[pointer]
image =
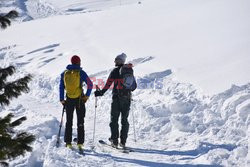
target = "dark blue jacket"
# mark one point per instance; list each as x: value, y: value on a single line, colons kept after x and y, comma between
x: 83, y: 77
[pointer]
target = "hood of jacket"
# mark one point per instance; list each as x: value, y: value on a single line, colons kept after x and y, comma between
x: 73, y: 67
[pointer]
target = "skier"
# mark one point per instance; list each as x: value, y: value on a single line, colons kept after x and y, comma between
x: 72, y: 81
x: 121, y: 100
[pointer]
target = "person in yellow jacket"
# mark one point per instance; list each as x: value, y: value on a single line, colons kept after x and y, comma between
x: 72, y: 81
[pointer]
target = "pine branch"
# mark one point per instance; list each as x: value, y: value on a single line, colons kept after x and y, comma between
x: 13, y: 144
x: 14, y: 89
x: 5, y: 122
x: 4, y: 100
x: 12, y: 14
x: 6, y: 119
x: 5, y: 20
x: 4, y: 73
x: 20, y: 145
x: 17, y: 122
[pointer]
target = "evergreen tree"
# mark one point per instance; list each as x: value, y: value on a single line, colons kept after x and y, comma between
x: 12, y: 143
x: 8, y: 90
x: 5, y: 19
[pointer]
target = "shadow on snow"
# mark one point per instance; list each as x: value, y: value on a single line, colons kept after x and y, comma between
x: 147, y: 163
x: 49, y: 48
x: 202, y: 149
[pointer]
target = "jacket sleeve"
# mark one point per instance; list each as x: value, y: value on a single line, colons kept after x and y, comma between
x: 61, y: 87
x: 86, y: 79
x: 109, y: 82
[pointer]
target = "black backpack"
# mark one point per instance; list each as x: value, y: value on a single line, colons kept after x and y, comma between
x: 127, y: 75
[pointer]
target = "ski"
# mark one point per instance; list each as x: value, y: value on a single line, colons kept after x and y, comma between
x: 80, y: 151
x: 123, y: 150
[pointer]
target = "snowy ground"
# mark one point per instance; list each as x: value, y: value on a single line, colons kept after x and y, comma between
x: 189, y: 56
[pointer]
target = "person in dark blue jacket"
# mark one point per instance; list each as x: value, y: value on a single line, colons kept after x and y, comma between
x: 72, y: 81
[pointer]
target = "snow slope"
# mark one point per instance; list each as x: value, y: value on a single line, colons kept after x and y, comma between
x: 199, y: 46
x: 35, y: 9
x: 189, y: 56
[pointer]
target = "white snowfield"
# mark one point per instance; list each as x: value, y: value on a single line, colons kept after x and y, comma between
x: 192, y: 105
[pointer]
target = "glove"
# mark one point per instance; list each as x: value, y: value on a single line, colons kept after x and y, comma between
x: 85, y: 98
x: 98, y: 93
x: 63, y: 102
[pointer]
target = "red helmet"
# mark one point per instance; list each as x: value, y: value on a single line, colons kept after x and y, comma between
x: 75, y: 59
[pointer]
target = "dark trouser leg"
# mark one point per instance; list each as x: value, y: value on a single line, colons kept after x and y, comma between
x: 125, y: 107
x: 80, y: 122
x: 69, y: 121
x: 115, y: 112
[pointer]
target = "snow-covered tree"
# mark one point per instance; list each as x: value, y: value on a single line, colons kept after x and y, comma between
x: 12, y: 143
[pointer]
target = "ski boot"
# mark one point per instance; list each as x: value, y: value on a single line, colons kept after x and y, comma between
x: 113, y: 143
x: 69, y: 145
x: 122, y: 145
x: 80, y: 147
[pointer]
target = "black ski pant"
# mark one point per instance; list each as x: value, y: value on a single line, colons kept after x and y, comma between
x: 71, y: 105
x: 120, y: 106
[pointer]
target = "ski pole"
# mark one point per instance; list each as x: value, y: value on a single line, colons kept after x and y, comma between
x: 60, y: 127
x: 133, y: 123
x: 95, y: 119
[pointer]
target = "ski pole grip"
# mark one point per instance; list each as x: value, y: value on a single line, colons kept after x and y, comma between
x: 97, y: 88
